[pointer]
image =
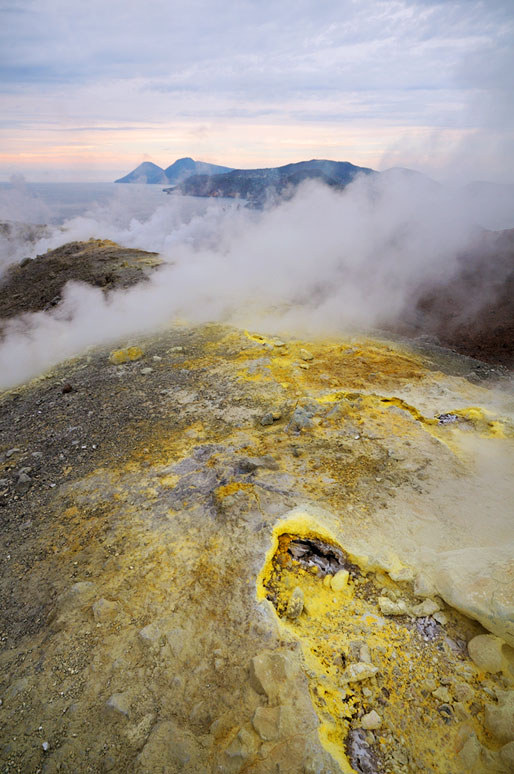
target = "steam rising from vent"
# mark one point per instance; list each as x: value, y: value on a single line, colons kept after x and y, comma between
x: 322, y: 262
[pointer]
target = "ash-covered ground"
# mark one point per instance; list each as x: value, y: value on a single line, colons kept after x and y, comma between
x: 226, y: 552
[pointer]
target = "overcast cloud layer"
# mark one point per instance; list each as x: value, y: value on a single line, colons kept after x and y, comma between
x: 94, y: 88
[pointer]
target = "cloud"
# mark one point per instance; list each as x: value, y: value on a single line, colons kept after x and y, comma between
x: 18, y: 204
x: 382, y: 63
x: 309, y: 45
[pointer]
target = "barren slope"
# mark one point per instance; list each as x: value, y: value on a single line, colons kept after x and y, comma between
x: 177, y: 519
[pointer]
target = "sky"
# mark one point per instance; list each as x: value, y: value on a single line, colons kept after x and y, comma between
x: 88, y: 90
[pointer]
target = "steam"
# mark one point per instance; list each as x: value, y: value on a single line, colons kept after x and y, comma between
x: 320, y: 263
x: 18, y: 204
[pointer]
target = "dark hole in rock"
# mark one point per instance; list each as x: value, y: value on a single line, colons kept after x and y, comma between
x: 447, y: 419
x: 330, y: 559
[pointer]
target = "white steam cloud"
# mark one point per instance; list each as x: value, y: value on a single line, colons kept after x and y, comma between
x: 321, y: 262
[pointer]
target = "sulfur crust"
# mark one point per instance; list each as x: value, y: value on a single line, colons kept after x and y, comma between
x: 382, y: 635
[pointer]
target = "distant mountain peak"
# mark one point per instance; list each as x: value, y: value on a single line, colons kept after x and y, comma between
x: 186, y: 167
x: 176, y: 173
x: 146, y: 172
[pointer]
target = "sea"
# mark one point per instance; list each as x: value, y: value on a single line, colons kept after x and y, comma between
x: 55, y: 203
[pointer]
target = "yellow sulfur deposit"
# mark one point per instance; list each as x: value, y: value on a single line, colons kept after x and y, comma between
x: 119, y: 356
x: 257, y: 555
x: 370, y: 671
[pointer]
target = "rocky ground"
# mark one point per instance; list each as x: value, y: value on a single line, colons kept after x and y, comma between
x: 35, y: 285
x: 218, y: 555
x: 223, y: 552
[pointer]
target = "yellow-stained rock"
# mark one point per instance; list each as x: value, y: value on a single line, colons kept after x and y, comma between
x: 442, y: 694
x: 266, y: 721
x: 499, y: 718
x: 462, y: 692
x: 487, y: 652
x: 470, y: 752
x: 271, y: 672
x: 359, y: 671
x: 295, y: 604
x: 371, y: 721
x: 171, y: 748
x: 340, y: 580
x: 388, y: 607
x: 507, y: 756
x: 134, y: 353
x: 105, y: 610
x: 427, y: 607
x: 119, y: 356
